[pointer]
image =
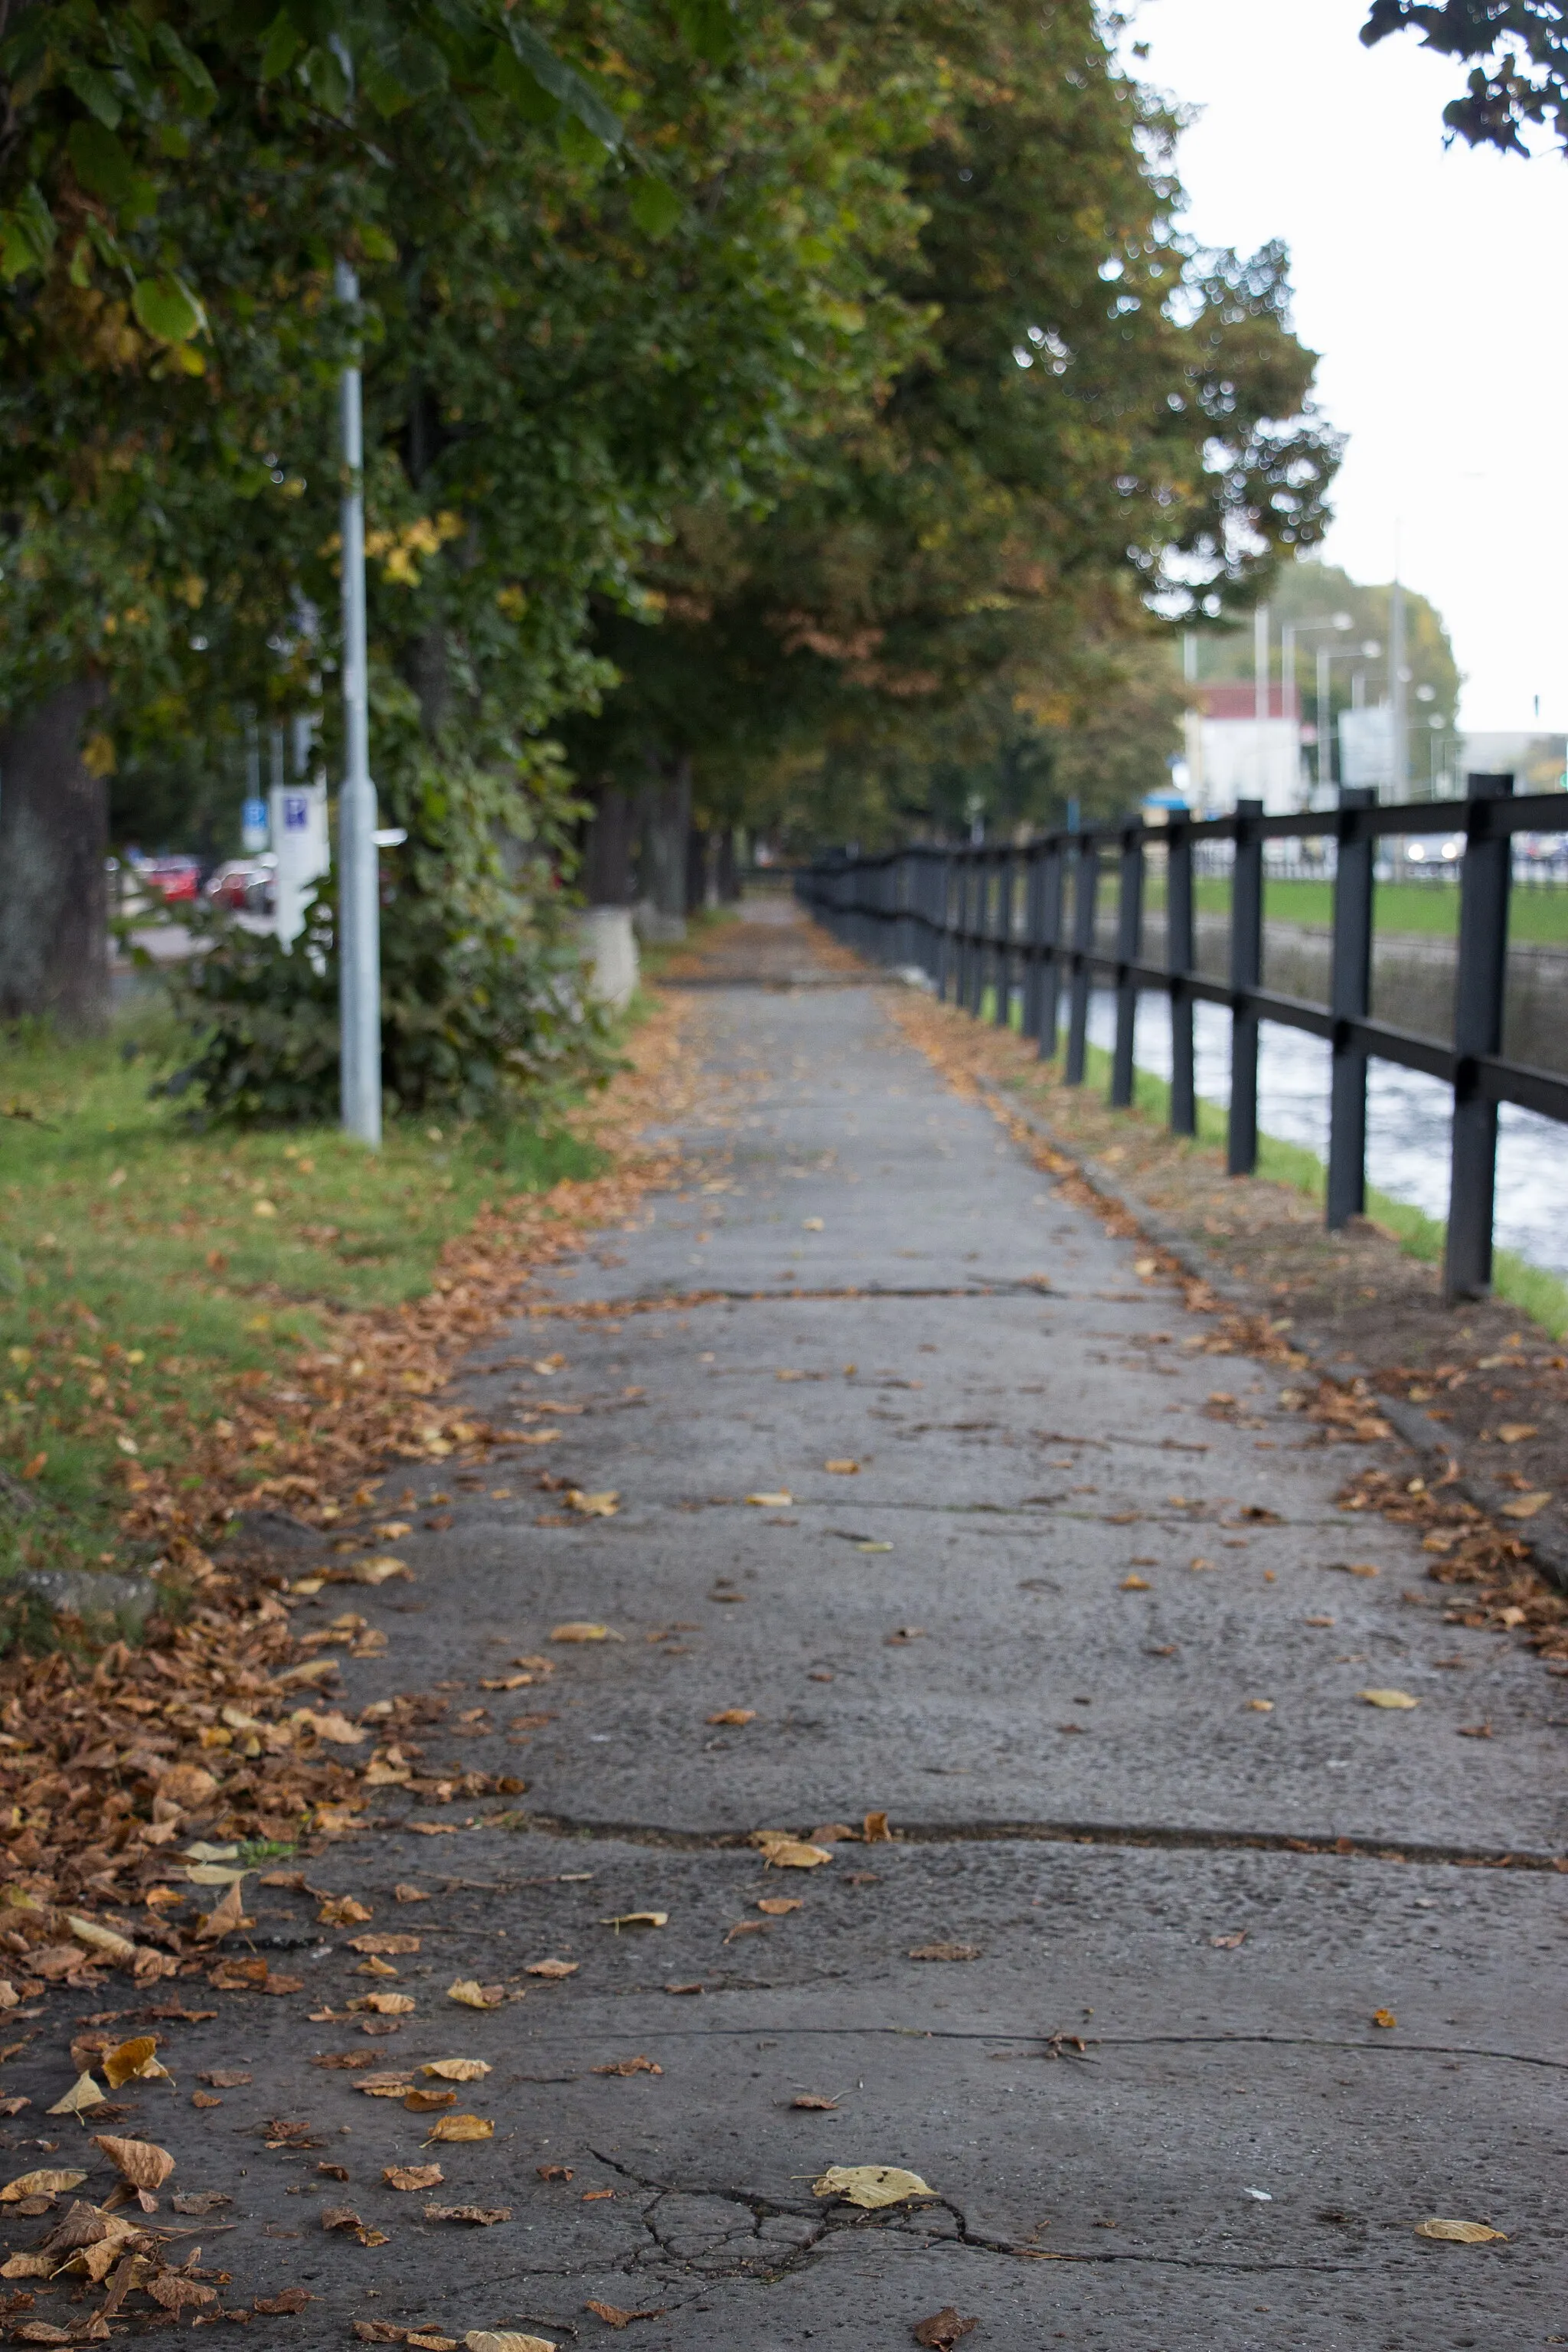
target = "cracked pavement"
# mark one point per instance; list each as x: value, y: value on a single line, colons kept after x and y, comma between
x: 1213, y: 1896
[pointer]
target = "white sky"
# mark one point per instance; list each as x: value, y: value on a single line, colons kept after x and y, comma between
x: 1433, y: 283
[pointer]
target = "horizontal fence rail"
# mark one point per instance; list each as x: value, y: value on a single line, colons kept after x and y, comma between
x: 994, y: 920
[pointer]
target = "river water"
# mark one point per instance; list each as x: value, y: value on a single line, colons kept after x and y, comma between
x: 1409, y: 1121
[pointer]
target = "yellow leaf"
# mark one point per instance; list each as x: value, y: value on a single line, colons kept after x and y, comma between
x: 101, y: 1940
x: 263, y: 1209
x: 40, y: 2184
x: 342, y: 1911
x: 213, y: 1874
x: 457, y: 2070
x: 794, y: 1853
x: 779, y: 1502
x: 870, y: 2185
x: 400, y: 1944
x: 578, y: 1629
x: 1383, y: 2017
x: 638, y: 1919
x: 473, y: 1995
x: 135, y: 2062
x: 1393, y: 1698
x: 595, y: 1506
x: 842, y: 1466
x: 1135, y: 1584
x: 83, y: 2094
x: 1514, y: 1432
x: 1261, y: 1706
x: 333, y: 1726
x: 734, y: 1715
x: 1526, y: 1506
x: 28, y: 2266
x: 380, y: 1571
x: 775, y: 1905
x: 386, y: 2004
x: 461, y: 2127
x: 1459, y: 2233
x: 505, y: 2340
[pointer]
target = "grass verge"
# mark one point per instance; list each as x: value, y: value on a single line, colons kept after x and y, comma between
x: 146, y: 1269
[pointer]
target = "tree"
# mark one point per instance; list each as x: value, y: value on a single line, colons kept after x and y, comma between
x: 1521, y: 73
x: 1100, y: 419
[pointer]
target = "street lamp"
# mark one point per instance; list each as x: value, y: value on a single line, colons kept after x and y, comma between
x: 1340, y: 623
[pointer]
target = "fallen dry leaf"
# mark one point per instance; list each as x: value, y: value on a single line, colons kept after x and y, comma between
x: 80, y: 2099
x: 1129, y: 1584
x: 581, y: 1629
x: 816, y: 2102
x: 291, y: 2299
x: 101, y: 1940
x: 945, y: 1952
x: 378, y: 1944
x: 613, y: 2316
x: 553, y: 1969
x: 941, y: 2331
x: 594, y: 1507
x: 200, y: 2201
x: 1459, y: 2233
x: 874, y: 1830
x: 135, y: 2062
x: 40, y: 2184
x: 1397, y: 1699
x: 1232, y: 1943
x: 386, y: 2004
x: 794, y: 1853
x: 870, y: 2185
x: 340, y: 2217
x: 1514, y: 1432
x: 505, y: 2340
x: 734, y: 1715
x: 779, y: 1502
x: 139, y: 2161
x: 426, y: 2103
x: 1383, y: 2017
x: 1260, y: 1706
x: 1526, y: 1506
x: 225, y: 1917
x: 404, y: 1893
x: 637, y: 2065
x: 457, y: 2069
x: 1354, y: 1567
x: 470, y: 1994
x: 484, y: 2217
x: 455, y: 2128
x: 775, y: 1905
x: 412, y: 2176
x: 638, y: 1919
x: 342, y: 1911
x: 554, y: 2171
x: 843, y: 1467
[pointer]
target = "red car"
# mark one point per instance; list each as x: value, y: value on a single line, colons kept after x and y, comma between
x: 173, y: 878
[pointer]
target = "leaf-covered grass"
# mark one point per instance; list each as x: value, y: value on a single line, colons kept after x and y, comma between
x: 145, y: 1264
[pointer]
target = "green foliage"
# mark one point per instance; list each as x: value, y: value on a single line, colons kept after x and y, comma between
x: 482, y: 1003
x: 1520, y: 76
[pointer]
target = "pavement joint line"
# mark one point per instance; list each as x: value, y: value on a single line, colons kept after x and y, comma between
x: 1384, y: 2048
x: 1174, y: 1839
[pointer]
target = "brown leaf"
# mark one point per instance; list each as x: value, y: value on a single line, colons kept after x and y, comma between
x: 342, y: 1911
x: 350, y: 2059
x: 470, y: 1994
x: 340, y: 2217
x: 200, y: 2201
x: 776, y: 1905
x: 613, y: 2316
x: 460, y: 2128
x: 404, y: 1893
x: 484, y: 2216
x: 224, y: 1916
x: 734, y: 1715
x: 293, y: 2298
x: 813, y: 2100
x: 637, y: 2065
x: 457, y: 2069
x: 875, y: 1830
x: 426, y: 2103
x: 133, y: 2061
x: 412, y: 2176
x: 138, y: 2161
x: 554, y: 2171
x: 228, y: 2078
x: 1459, y: 2233
x: 1384, y: 2016
x: 378, y: 1945
x: 553, y: 1969
x: 794, y: 1853
x: 945, y: 1952
x: 941, y: 2331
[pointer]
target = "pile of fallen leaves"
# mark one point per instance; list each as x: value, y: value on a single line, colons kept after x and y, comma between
x: 213, y: 1728
x: 1501, y: 1588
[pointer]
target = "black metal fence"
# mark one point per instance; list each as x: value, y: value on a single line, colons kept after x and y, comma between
x: 982, y: 919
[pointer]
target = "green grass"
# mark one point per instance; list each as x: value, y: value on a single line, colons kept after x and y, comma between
x: 144, y: 1264
x: 1538, y: 917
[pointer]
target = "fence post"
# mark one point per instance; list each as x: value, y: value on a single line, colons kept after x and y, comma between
x: 1477, y: 1029
x: 1246, y: 972
x: 1129, y: 941
x: 981, y: 918
x: 1350, y: 999
x: 1050, y: 942
x: 1029, y: 947
x: 1085, y: 895
x: 1179, y: 961
x: 1006, y: 883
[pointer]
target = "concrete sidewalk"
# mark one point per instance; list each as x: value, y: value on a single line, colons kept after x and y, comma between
x: 1087, y: 1638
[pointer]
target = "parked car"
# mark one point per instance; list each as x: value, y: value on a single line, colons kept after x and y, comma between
x: 244, y: 884
x: 173, y: 878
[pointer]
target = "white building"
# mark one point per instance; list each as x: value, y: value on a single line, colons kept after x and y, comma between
x: 1232, y: 754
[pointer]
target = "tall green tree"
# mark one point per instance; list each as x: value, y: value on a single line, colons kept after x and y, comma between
x: 1518, y: 54
x: 1101, y: 420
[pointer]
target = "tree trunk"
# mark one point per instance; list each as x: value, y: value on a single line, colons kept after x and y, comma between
x: 726, y: 880
x: 54, y: 839
x: 605, y: 879
x: 665, y: 808
x: 698, y: 847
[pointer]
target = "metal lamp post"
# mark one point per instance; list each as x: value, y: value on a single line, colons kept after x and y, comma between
x: 359, y: 894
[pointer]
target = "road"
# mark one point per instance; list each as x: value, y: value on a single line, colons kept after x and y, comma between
x: 1086, y: 1638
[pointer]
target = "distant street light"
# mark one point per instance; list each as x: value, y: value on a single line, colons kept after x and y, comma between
x: 1337, y: 625
x: 1327, y: 654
